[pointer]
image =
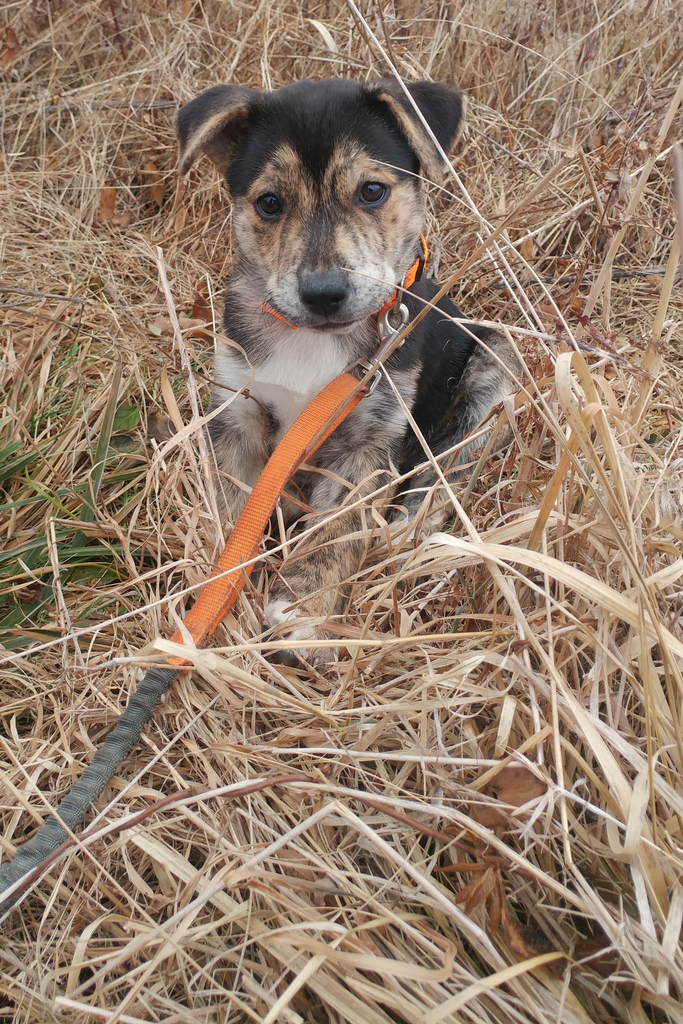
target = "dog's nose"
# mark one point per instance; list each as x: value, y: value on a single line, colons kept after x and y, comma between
x: 324, y: 294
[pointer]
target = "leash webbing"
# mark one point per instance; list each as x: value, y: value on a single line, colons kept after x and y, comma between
x: 413, y: 274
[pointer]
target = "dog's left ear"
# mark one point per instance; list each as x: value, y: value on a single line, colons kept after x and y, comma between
x: 442, y: 107
x: 212, y: 123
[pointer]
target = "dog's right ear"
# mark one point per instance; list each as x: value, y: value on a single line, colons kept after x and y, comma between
x: 212, y: 123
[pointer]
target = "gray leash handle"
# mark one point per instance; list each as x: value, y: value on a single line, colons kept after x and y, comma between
x: 104, y: 765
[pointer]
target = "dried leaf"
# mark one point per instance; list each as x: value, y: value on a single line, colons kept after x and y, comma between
x: 516, y: 941
x: 107, y: 203
x: 201, y: 307
x: 478, y: 890
x: 324, y: 31
x: 601, y: 955
x: 490, y: 817
x: 161, y: 327
x: 301, y: 737
x: 620, y: 178
x: 156, y: 184
x: 180, y: 220
x: 188, y: 323
x: 515, y: 785
x: 495, y: 902
x: 10, y: 47
x: 160, y: 427
x: 526, y: 249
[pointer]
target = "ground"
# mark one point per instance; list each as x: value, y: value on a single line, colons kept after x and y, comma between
x: 475, y: 814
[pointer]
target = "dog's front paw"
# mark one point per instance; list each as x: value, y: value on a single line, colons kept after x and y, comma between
x: 427, y: 513
x: 291, y: 623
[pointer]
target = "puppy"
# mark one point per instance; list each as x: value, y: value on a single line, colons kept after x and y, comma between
x: 325, y: 181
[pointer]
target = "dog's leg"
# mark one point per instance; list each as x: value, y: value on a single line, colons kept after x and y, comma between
x: 309, y: 588
x: 239, y: 458
x: 488, y: 377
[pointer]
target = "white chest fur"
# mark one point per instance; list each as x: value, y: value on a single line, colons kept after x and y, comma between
x: 296, y: 369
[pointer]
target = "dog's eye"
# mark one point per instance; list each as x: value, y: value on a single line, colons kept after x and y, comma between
x: 373, y: 193
x: 268, y: 205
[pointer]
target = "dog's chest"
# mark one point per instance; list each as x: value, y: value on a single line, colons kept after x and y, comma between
x: 286, y: 380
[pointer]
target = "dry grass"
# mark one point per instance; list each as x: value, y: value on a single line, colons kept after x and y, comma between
x: 349, y: 847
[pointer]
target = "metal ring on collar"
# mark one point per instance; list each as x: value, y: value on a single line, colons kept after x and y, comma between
x: 386, y: 329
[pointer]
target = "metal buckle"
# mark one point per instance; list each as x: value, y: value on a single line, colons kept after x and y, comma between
x: 387, y: 332
x: 365, y: 366
x: 385, y: 329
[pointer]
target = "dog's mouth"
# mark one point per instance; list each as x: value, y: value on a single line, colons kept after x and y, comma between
x: 338, y: 325
x: 325, y: 326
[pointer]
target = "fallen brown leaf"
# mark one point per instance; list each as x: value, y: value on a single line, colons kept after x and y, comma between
x: 107, y: 203
x: 10, y: 47
x: 180, y: 220
x: 201, y: 307
x: 513, y: 933
x: 621, y: 178
x: 478, y: 889
x: 514, y: 785
x: 156, y: 184
x: 121, y: 220
x: 495, y: 902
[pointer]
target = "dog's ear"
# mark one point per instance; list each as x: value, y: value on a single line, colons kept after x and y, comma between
x: 212, y: 123
x: 442, y: 107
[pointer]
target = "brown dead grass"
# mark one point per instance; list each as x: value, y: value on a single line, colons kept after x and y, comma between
x: 477, y: 814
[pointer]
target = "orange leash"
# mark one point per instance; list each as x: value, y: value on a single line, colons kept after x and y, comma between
x: 306, y: 434
x: 226, y: 581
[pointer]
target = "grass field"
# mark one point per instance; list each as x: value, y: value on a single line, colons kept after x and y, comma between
x: 476, y: 814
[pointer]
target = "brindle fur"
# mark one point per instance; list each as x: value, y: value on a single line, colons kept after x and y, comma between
x: 314, y: 145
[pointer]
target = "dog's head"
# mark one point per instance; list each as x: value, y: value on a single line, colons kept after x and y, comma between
x: 325, y: 180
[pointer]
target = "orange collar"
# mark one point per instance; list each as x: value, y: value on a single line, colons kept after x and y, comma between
x: 413, y: 275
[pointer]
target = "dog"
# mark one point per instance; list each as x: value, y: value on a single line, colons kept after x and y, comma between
x: 325, y: 179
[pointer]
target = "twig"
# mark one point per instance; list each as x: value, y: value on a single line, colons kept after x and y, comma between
x: 117, y: 29
x: 40, y: 295
x: 89, y: 108
x: 591, y: 184
x: 677, y: 160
